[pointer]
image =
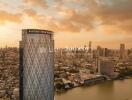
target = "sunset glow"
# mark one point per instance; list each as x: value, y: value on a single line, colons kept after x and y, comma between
x: 75, y: 22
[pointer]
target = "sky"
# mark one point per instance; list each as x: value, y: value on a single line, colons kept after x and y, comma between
x: 75, y: 22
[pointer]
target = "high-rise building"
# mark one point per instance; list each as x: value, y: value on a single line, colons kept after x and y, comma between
x: 36, y: 65
x: 106, y: 67
x: 105, y: 52
x: 98, y: 65
x: 122, y: 51
x: 90, y: 46
x: 99, y: 51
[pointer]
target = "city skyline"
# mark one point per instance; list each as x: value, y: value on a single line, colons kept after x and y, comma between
x: 75, y: 22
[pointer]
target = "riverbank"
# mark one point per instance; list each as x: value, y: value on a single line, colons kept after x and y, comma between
x: 94, y: 83
x: 108, y: 90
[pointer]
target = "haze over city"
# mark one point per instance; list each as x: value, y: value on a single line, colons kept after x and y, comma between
x: 65, y: 50
x: 75, y: 22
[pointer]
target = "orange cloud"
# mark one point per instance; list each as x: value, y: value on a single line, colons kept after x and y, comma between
x: 115, y: 14
x: 39, y: 3
x: 9, y: 17
x: 82, y: 16
x: 30, y: 12
x: 111, y: 13
x: 101, y: 20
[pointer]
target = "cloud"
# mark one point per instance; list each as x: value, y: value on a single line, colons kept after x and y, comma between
x: 72, y: 20
x: 83, y: 15
x: 38, y: 3
x: 30, y: 12
x: 111, y: 13
x: 115, y: 13
x: 91, y: 19
x: 9, y: 17
x: 79, y: 15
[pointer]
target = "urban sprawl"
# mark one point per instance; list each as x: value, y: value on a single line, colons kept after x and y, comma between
x: 73, y: 67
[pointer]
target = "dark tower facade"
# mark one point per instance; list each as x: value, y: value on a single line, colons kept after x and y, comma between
x: 90, y: 46
x: 122, y: 51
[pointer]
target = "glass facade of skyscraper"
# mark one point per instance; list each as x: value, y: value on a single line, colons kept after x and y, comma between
x: 36, y: 65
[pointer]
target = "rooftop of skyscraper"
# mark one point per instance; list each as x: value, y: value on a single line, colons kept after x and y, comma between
x: 37, y: 31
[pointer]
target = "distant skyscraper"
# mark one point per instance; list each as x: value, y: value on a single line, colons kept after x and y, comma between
x: 105, y: 52
x: 90, y: 46
x: 98, y: 65
x: 106, y: 67
x: 122, y: 51
x: 99, y: 51
x: 36, y: 65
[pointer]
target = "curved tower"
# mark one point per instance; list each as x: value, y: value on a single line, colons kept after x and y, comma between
x: 36, y: 65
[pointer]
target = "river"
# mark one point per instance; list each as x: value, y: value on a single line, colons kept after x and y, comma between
x: 109, y: 90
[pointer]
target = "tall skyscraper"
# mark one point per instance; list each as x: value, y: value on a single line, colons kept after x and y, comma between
x: 90, y: 46
x: 105, y: 52
x: 122, y: 51
x: 98, y: 65
x: 99, y: 51
x: 36, y: 65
